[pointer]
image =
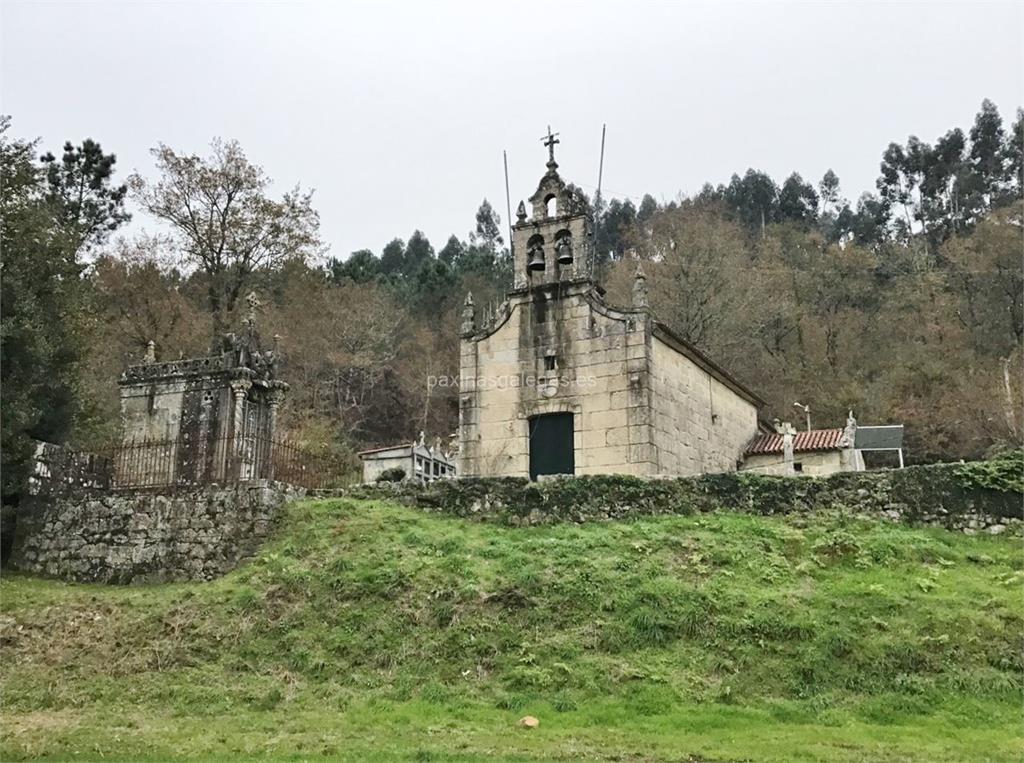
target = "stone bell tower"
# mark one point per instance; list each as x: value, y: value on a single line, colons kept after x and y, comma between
x: 553, y: 245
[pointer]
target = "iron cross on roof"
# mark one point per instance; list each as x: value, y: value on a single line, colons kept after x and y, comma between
x: 550, y: 140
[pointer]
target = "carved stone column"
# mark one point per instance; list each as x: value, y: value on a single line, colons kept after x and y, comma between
x: 275, y: 397
x: 236, y: 438
x: 274, y: 400
x: 201, y: 468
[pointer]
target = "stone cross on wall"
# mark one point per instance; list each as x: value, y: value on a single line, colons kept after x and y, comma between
x: 788, y: 433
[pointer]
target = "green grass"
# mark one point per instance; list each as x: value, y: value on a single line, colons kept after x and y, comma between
x: 373, y: 632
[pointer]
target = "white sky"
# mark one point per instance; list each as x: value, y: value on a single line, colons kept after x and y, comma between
x: 397, y: 113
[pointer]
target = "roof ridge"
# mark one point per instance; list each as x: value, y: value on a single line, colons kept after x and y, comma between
x: 806, y: 441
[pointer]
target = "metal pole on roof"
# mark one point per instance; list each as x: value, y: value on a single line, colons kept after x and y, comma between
x: 508, y: 202
x: 807, y: 410
x: 597, y: 201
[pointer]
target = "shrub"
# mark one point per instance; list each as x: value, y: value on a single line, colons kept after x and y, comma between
x: 394, y: 474
x: 1005, y: 472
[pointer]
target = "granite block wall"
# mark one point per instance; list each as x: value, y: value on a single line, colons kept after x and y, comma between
x: 145, y: 537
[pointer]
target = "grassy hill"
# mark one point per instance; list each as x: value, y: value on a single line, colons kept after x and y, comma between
x: 369, y: 631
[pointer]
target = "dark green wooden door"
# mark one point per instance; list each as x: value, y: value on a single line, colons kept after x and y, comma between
x: 551, y: 447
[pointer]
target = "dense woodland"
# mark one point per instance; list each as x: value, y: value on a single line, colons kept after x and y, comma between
x: 904, y: 305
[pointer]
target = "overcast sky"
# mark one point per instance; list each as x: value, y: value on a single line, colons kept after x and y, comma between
x: 397, y: 113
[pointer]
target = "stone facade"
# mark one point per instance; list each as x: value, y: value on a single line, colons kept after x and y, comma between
x: 702, y: 424
x: 145, y: 537
x: 815, y: 464
x: 643, y: 401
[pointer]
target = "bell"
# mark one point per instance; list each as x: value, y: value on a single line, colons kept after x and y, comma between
x: 564, y: 252
x: 536, y: 259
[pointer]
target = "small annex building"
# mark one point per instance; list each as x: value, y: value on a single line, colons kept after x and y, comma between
x: 557, y: 381
x: 815, y: 453
x: 417, y: 461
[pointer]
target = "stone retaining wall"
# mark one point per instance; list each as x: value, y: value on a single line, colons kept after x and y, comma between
x: 936, y: 495
x: 144, y: 537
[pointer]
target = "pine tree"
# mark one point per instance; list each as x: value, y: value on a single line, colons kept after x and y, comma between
x: 48, y: 217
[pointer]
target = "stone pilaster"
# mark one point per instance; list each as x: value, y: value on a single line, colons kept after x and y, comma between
x: 787, y: 447
x: 468, y: 316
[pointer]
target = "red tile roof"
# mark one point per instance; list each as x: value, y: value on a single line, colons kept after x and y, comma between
x: 816, y: 439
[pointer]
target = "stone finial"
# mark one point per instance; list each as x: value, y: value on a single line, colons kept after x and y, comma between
x: 640, y: 300
x: 150, y: 357
x: 468, y: 315
x: 422, y: 439
x: 268, y: 360
x: 850, y: 432
x: 521, y: 211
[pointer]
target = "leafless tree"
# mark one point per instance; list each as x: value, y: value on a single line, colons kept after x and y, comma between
x: 223, y: 220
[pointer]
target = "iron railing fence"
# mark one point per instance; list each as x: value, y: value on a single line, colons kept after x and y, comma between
x: 185, y: 463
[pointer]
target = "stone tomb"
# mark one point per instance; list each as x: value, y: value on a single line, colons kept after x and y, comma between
x: 201, y: 420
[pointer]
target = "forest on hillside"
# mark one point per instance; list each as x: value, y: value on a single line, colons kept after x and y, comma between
x: 904, y: 305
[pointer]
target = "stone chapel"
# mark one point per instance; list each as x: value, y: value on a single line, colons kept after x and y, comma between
x: 556, y: 381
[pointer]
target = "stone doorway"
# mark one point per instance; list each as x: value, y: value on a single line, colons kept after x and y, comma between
x: 551, y: 445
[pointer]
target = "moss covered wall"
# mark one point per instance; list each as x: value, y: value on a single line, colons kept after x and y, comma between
x: 942, y: 494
